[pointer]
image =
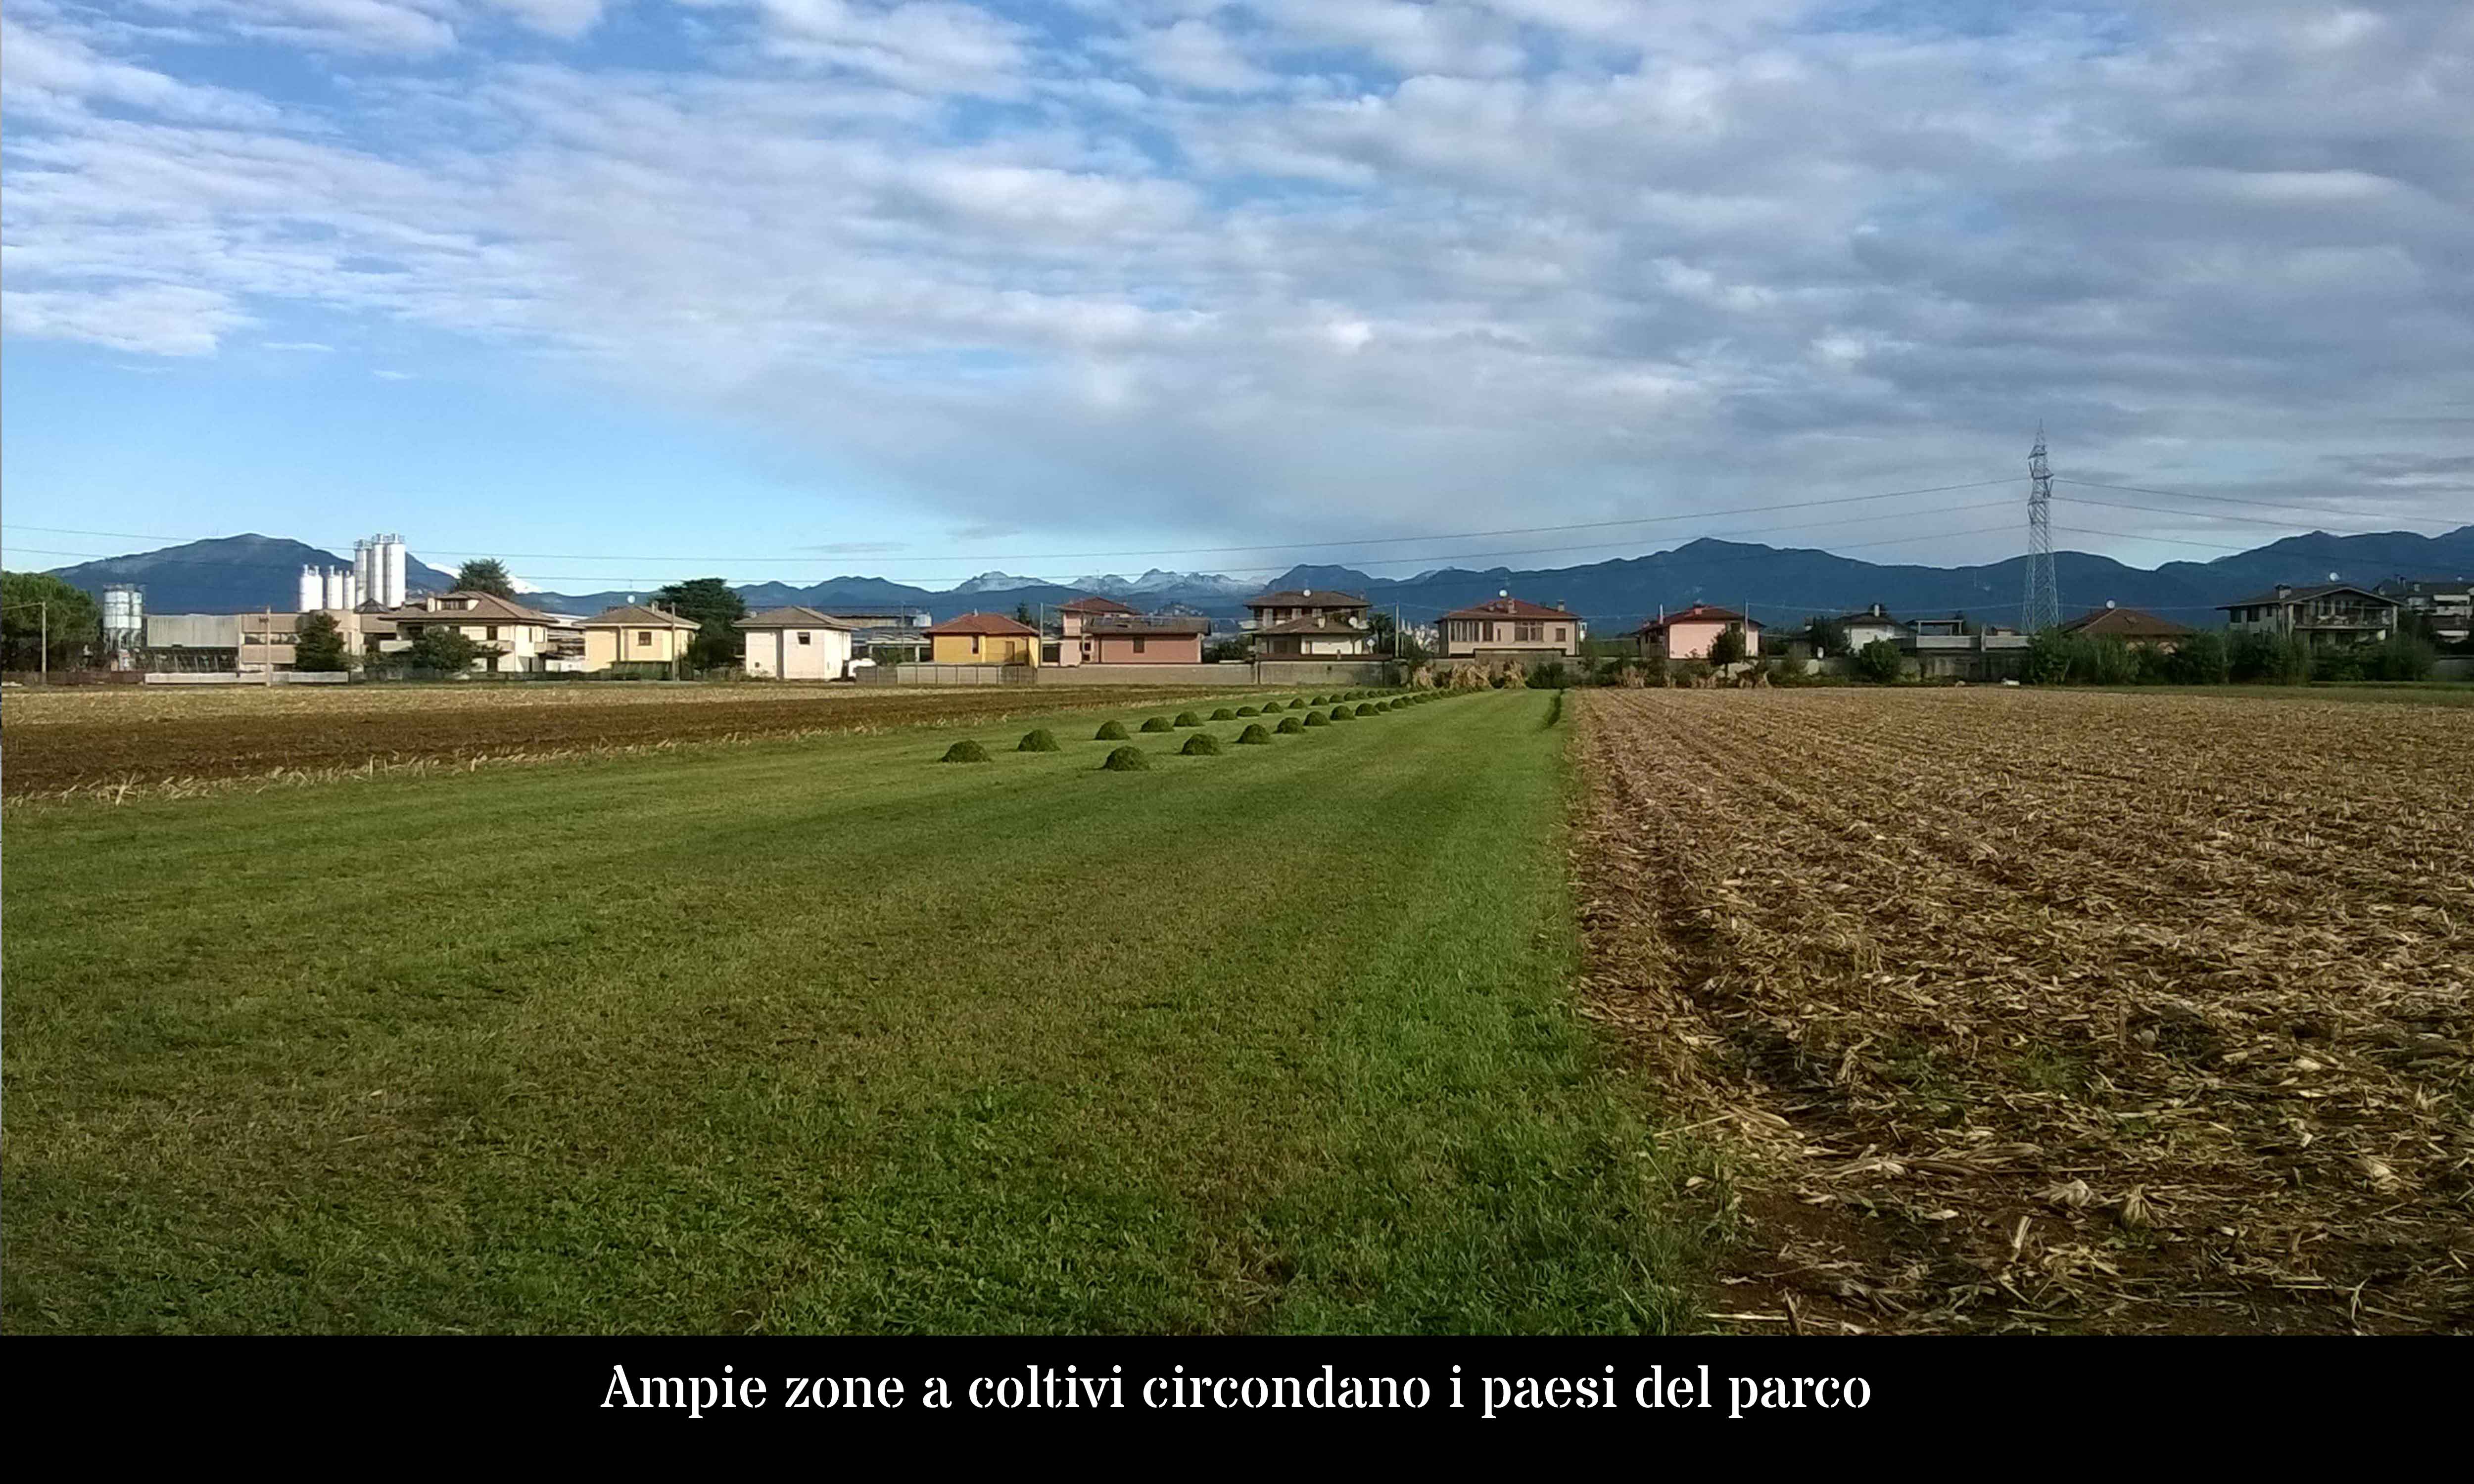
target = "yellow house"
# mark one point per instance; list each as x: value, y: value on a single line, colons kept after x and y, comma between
x: 982, y: 638
x: 632, y: 633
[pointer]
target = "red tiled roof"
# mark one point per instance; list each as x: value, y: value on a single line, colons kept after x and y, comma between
x: 1510, y: 607
x: 1698, y: 614
x: 2127, y: 623
x: 983, y: 623
x: 1093, y: 605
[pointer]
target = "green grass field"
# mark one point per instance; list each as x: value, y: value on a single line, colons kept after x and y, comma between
x: 828, y: 1035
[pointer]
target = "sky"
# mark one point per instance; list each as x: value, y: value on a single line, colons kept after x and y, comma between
x: 629, y: 289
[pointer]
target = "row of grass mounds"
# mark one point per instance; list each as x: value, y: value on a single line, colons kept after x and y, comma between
x: 1254, y: 735
x: 965, y: 751
x: 1126, y: 759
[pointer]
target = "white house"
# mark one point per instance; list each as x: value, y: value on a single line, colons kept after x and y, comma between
x: 797, y: 644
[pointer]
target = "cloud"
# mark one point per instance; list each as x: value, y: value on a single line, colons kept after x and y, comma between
x: 1287, y: 266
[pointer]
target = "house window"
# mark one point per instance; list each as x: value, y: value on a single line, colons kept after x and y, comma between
x: 1138, y: 644
x: 975, y: 643
x: 803, y: 635
x: 1558, y: 634
x: 492, y: 631
x: 644, y: 637
x: 1527, y: 634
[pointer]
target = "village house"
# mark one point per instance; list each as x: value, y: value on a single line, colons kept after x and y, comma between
x: 514, y: 639
x: 795, y: 644
x: 982, y: 638
x: 1689, y: 633
x: 2328, y: 615
x: 632, y: 635
x: 1508, y: 628
x: 1289, y: 605
x: 1869, y: 625
x: 1146, y: 638
x: 1075, y: 643
x: 2446, y: 606
x: 2130, y: 626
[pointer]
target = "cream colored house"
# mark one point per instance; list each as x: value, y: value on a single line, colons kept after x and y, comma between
x: 633, y: 635
x: 797, y: 644
x: 1509, y: 628
x: 514, y: 639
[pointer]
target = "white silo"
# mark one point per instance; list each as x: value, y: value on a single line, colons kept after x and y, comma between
x: 365, y: 565
x: 335, y: 588
x: 391, y: 565
x: 124, y: 624
x: 313, y: 589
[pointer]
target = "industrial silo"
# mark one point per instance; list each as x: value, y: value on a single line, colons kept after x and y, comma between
x: 124, y: 624
x: 313, y: 589
x: 390, y: 566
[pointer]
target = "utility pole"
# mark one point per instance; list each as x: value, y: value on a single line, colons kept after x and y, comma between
x: 2042, y: 607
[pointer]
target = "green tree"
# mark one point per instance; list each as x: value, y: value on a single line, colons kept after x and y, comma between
x: 1878, y: 661
x: 2049, y: 657
x: 1728, y: 648
x: 2401, y: 656
x: 485, y: 574
x: 712, y: 606
x: 1826, y: 635
x: 36, y: 607
x: 2198, y: 660
x: 318, y: 644
x: 446, y: 651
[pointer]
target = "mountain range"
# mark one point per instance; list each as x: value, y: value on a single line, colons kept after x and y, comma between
x: 1780, y: 585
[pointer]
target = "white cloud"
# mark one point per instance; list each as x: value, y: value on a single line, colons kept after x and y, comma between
x: 1274, y: 260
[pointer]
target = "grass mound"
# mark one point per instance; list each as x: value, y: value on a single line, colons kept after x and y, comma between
x: 1314, y: 719
x: 1037, y: 741
x: 1224, y: 714
x: 1342, y: 713
x: 1364, y: 709
x: 1292, y: 725
x: 1160, y: 724
x: 1109, y: 732
x: 1202, y: 744
x: 1188, y: 719
x: 1295, y: 704
x: 1126, y: 759
x: 1254, y: 736
x: 965, y: 751
x: 1250, y: 710
x: 1319, y: 701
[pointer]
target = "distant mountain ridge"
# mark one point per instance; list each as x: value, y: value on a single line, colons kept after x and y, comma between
x: 1781, y: 584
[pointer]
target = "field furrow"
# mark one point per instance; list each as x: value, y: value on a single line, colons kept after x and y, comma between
x: 2053, y: 1011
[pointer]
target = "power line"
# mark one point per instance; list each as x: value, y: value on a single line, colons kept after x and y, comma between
x: 2221, y: 499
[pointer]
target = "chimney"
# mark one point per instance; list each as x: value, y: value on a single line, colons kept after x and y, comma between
x: 2283, y: 591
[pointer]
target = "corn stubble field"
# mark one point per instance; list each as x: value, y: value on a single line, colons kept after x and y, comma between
x: 2051, y: 1010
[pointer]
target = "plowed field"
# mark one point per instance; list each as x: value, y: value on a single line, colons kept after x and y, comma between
x: 2051, y: 1011
x: 84, y: 741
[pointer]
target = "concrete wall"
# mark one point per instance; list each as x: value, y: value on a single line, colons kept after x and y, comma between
x: 1157, y: 649
x: 1265, y: 675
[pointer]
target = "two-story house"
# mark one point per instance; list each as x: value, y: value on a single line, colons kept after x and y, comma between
x: 1304, y: 624
x: 632, y: 635
x: 2324, y: 614
x: 1870, y: 624
x: 1689, y: 633
x: 2129, y: 625
x: 513, y: 638
x: 982, y: 638
x: 1508, y: 628
x: 1075, y: 642
x: 2445, y: 605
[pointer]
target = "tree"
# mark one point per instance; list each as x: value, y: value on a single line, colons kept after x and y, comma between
x: 36, y: 607
x: 1728, y: 648
x: 318, y: 644
x: 2198, y: 660
x: 448, y: 650
x: 1878, y: 661
x: 1826, y: 635
x: 712, y: 606
x: 485, y: 574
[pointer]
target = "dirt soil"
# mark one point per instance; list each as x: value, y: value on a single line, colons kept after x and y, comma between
x: 99, y: 740
x: 2051, y: 1011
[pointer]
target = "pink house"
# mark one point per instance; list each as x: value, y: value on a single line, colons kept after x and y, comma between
x: 1688, y: 635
